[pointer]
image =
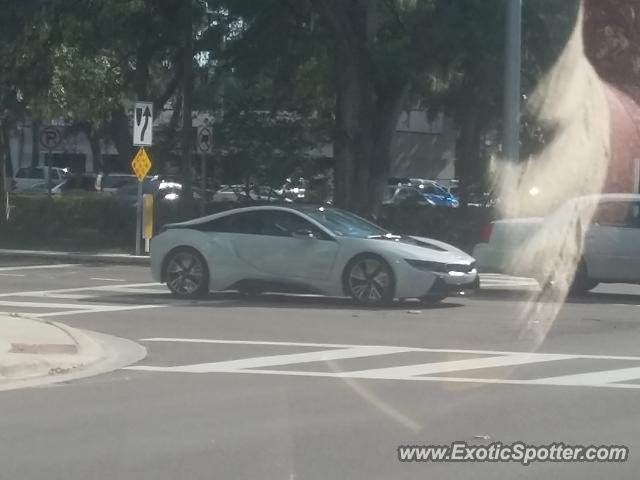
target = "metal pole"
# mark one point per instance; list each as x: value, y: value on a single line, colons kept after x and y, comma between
x: 49, y: 169
x: 49, y: 221
x: 203, y: 194
x: 513, y: 62
x: 139, y: 221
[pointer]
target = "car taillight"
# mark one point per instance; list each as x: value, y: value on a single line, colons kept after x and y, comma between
x: 486, y: 232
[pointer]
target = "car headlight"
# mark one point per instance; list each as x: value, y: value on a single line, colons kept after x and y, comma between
x: 426, y: 265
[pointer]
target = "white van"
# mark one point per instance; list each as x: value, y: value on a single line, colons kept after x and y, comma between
x: 26, y: 177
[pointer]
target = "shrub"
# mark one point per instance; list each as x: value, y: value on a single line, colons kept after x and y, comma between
x: 461, y: 227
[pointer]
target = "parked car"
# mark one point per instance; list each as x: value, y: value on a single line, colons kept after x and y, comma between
x: 294, y: 189
x: 608, y: 248
x: 395, y: 195
x: 111, y: 182
x: 26, y: 177
x: 238, y: 194
x: 160, y: 189
x: 304, y: 248
x: 430, y: 189
x: 436, y: 192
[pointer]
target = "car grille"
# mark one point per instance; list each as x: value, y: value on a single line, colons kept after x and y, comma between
x: 460, y: 267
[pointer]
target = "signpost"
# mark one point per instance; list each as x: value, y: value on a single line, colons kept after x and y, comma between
x: 143, y: 124
x: 140, y: 165
x: 204, y: 147
x: 50, y: 138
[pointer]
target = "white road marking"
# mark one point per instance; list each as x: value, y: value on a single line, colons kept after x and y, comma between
x: 45, y: 305
x: 71, y: 294
x: 12, y: 274
x: 36, y: 267
x: 601, y: 377
x: 458, y: 365
x: 499, y: 281
x: 287, y: 359
x: 97, y: 288
x: 97, y: 309
x: 419, y: 372
x: 98, y: 279
x: 410, y: 349
x: 497, y: 381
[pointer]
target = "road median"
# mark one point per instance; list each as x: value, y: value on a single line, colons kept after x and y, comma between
x: 83, y: 257
x: 35, y: 352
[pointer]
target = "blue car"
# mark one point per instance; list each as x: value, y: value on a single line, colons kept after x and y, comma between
x: 436, y: 193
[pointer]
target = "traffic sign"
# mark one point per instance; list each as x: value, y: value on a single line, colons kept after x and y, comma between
x: 205, y: 140
x: 143, y: 124
x: 141, y: 164
x: 50, y: 137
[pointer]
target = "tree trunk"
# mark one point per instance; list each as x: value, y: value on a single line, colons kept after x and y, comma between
x: 366, y: 110
x: 467, y: 153
x: 187, y: 108
x: 4, y: 198
x: 121, y: 135
x: 96, y: 150
x: 35, y: 142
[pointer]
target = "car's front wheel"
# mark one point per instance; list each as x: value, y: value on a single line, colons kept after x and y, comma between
x: 187, y: 274
x: 369, y: 280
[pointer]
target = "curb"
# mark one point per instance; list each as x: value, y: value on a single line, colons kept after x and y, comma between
x: 88, y: 351
x: 111, y: 258
x: 97, y: 353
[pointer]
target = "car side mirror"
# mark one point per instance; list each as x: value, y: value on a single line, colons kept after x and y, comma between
x: 303, y: 234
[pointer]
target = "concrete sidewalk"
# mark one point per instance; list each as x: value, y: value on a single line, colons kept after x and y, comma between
x: 112, y: 258
x: 35, y: 352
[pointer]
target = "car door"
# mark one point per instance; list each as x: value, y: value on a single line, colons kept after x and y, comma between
x: 274, y: 245
x: 612, y: 243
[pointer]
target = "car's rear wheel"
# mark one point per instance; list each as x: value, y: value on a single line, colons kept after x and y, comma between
x: 369, y: 280
x: 187, y: 274
x: 580, y: 284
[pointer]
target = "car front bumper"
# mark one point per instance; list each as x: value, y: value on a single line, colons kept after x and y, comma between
x: 448, y: 286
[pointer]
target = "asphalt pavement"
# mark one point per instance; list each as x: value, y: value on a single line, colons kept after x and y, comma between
x: 304, y: 387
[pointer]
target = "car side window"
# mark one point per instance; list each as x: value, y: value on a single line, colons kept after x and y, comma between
x: 284, y: 224
x: 618, y: 214
x: 633, y: 216
x: 244, y: 222
x: 413, y: 195
x: 30, y: 173
x: 402, y: 194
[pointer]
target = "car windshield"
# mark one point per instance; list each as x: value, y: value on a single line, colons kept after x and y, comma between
x: 345, y: 224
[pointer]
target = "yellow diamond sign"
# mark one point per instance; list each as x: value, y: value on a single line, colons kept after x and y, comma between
x: 141, y: 164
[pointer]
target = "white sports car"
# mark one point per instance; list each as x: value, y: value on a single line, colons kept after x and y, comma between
x: 306, y: 249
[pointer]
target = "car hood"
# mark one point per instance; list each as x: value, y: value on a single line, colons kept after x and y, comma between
x: 421, y: 248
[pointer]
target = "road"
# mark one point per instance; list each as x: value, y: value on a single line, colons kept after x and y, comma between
x: 302, y: 387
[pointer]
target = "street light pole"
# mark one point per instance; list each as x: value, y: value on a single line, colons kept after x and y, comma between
x: 513, y: 61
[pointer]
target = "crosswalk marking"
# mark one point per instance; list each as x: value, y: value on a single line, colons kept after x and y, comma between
x: 277, y: 360
x: 97, y: 288
x: 457, y: 365
x: 601, y: 377
x: 36, y: 267
x: 427, y: 372
x: 499, y: 281
x: 48, y: 299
